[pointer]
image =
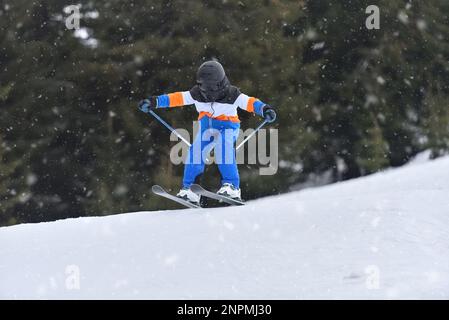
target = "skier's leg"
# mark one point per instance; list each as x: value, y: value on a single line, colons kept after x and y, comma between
x: 227, y: 159
x: 194, y: 165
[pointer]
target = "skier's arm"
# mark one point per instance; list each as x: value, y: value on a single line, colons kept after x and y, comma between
x: 250, y: 104
x: 175, y: 99
x: 256, y: 106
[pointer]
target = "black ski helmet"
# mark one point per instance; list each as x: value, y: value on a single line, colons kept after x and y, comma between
x: 212, y: 81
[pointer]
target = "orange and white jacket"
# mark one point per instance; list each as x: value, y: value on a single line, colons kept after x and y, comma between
x: 224, y: 109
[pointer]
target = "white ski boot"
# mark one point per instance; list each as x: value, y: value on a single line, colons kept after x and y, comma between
x: 189, y: 195
x: 228, y: 190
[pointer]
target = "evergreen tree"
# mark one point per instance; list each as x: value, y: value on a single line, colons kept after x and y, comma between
x: 350, y: 101
x: 10, y: 185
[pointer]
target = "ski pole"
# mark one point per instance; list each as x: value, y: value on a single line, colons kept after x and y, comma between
x: 169, y: 127
x: 252, y: 133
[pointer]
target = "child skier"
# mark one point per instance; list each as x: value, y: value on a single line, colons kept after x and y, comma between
x: 216, y: 101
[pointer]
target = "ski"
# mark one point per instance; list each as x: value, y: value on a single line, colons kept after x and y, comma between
x: 158, y: 190
x: 203, y: 192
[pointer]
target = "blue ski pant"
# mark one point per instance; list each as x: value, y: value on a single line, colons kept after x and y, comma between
x: 218, y: 135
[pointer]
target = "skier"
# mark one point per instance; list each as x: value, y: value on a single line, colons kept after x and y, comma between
x: 216, y: 101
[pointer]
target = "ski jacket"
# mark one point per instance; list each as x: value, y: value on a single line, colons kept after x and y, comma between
x: 223, y: 109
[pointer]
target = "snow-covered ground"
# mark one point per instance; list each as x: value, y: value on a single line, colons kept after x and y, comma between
x: 381, y: 236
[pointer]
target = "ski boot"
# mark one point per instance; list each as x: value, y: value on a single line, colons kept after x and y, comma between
x: 228, y: 190
x: 187, y: 194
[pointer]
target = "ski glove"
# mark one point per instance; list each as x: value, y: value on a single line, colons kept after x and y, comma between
x: 147, y: 104
x: 268, y: 113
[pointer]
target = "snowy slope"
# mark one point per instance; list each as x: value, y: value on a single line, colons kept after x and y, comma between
x: 382, y: 236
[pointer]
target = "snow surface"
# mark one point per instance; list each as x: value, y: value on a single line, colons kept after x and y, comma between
x: 382, y: 236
